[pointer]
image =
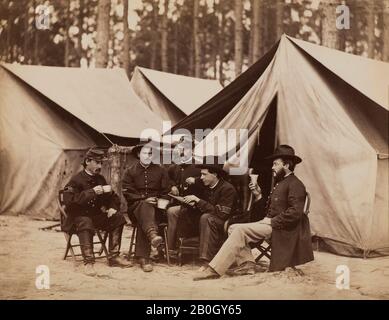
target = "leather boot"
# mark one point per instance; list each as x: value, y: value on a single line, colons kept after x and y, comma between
x: 86, y: 245
x: 115, y: 239
x: 89, y: 270
x: 154, y: 238
x: 145, y: 264
x: 246, y: 268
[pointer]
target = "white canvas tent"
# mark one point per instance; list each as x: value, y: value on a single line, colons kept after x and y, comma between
x: 171, y: 96
x: 49, y: 116
x: 332, y: 107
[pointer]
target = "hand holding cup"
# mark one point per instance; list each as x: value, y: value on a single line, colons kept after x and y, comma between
x: 98, y: 189
x: 151, y: 200
x: 107, y: 188
x: 255, y: 189
x: 111, y: 212
x: 174, y: 191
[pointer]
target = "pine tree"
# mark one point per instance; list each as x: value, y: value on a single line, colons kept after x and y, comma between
x: 102, y: 37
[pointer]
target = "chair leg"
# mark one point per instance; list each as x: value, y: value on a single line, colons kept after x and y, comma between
x: 268, y: 252
x: 103, y: 244
x: 105, y: 237
x: 180, y: 257
x: 69, y: 247
x: 265, y: 252
x: 67, y: 238
x: 180, y: 253
x: 131, y: 250
x: 166, y: 246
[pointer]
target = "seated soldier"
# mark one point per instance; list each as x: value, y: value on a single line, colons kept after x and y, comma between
x: 185, y: 180
x: 91, y: 203
x: 218, y: 203
x: 285, y: 222
x: 142, y: 184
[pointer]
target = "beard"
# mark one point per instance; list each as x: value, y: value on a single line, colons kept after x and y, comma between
x: 278, y: 176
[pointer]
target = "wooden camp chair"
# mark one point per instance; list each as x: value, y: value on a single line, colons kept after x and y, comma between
x: 101, y: 235
x: 264, y: 245
x: 162, y: 228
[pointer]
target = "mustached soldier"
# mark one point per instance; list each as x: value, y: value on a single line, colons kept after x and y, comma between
x: 91, y: 203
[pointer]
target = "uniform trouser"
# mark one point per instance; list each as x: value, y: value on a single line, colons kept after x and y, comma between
x: 146, y: 218
x: 85, y: 227
x: 236, y: 248
x: 173, y: 215
x: 208, y: 226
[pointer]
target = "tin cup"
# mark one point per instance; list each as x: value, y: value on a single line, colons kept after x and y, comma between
x: 254, y: 178
x: 162, y: 203
x: 107, y: 188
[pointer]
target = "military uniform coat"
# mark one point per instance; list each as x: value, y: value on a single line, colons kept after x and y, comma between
x: 291, y: 235
x: 81, y: 200
x: 178, y: 173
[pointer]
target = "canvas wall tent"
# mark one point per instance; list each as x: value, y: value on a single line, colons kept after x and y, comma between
x: 332, y: 107
x: 171, y: 96
x: 49, y: 116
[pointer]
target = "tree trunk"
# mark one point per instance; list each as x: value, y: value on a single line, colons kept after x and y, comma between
x: 89, y: 12
x: 221, y: 43
x: 190, y: 70
x: 238, y: 37
x: 80, y: 51
x: 26, y: 38
x: 9, y: 34
x: 126, y: 39
x: 102, y: 37
x: 196, y: 39
x: 215, y: 42
x: 67, y: 41
x: 385, y: 35
x: 279, y: 10
x: 329, y: 36
x: 153, y: 57
x: 36, y: 39
x: 256, y: 30
x: 250, y: 56
x: 164, y: 37
x: 176, y: 41
x: 370, y: 25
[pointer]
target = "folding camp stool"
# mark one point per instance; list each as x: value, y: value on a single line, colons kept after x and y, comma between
x: 264, y: 245
x: 101, y: 235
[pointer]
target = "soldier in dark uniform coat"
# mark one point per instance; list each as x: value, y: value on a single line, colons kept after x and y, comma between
x: 185, y: 179
x: 142, y: 184
x: 91, y: 203
x: 285, y: 223
x: 218, y: 203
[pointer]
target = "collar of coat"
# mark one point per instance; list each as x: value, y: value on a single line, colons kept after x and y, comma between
x: 284, y: 178
x: 88, y: 175
x: 139, y: 165
x: 217, y: 185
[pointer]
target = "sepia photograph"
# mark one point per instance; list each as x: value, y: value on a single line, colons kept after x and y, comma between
x: 194, y: 151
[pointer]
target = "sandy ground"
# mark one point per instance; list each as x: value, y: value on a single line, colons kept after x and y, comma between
x: 23, y: 247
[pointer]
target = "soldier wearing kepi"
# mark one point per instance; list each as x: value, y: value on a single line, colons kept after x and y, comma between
x: 91, y: 203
